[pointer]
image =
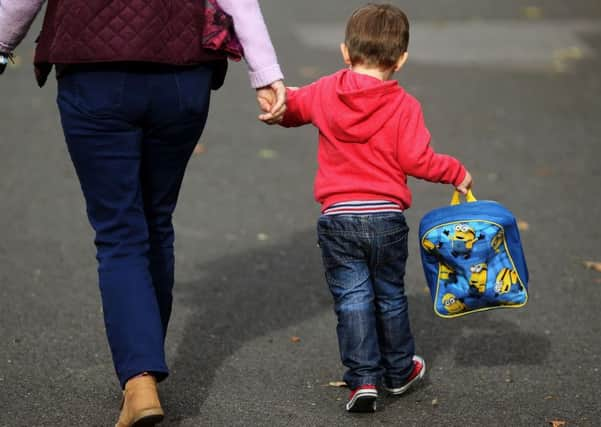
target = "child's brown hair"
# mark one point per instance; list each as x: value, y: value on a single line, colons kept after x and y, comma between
x: 377, y: 35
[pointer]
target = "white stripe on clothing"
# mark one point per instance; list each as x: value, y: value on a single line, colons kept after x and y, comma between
x: 359, y: 207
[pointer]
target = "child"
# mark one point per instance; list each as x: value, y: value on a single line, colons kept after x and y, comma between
x: 371, y: 137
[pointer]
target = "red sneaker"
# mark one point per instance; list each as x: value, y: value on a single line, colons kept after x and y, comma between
x: 363, y: 399
x: 418, y: 372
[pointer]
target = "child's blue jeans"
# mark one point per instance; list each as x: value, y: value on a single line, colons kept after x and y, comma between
x: 130, y: 130
x: 364, y: 258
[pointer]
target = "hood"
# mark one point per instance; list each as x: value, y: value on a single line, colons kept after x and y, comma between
x: 363, y: 105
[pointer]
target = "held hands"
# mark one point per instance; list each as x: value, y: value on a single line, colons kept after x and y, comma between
x: 272, y: 101
x: 466, y: 184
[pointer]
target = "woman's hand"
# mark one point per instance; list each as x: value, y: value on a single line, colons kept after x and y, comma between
x: 272, y: 101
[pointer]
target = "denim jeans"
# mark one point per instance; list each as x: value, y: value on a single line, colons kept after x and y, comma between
x: 364, y: 258
x: 130, y: 130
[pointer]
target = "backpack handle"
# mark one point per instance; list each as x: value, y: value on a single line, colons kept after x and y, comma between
x: 469, y: 197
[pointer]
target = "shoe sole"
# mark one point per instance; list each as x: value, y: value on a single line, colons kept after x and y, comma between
x: 149, y: 419
x: 401, y: 390
x: 363, y: 401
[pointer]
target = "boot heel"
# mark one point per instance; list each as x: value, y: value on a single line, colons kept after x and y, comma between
x: 149, y: 418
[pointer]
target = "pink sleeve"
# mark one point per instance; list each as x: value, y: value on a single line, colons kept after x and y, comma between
x: 16, y: 17
x: 418, y: 159
x: 252, y: 33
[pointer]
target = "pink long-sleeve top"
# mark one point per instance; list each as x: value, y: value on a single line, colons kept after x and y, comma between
x: 16, y: 17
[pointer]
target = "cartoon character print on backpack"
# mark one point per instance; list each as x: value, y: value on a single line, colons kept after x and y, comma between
x: 497, y: 241
x: 478, y: 278
x: 472, y: 258
x: 474, y: 269
x: 432, y: 248
x: 463, y: 237
x: 447, y: 274
x: 452, y: 304
x: 506, y: 280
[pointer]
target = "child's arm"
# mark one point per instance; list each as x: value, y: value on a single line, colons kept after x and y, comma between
x: 299, y: 105
x: 418, y: 159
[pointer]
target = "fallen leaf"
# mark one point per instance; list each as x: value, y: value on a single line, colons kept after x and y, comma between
x: 543, y: 172
x: 562, y: 56
x: 267, y: 154
x: 549, y: 397
x: 593, y: 265
x: 523, y: 225
x: 199, y: 149
x: 337, y: 384
x: 532, y: 12
x: 434, y: 402
x: 295, y: 339
x: 572, y: 52
x: 557, y: 423
x: 262, y: 237
x: 16, y: 62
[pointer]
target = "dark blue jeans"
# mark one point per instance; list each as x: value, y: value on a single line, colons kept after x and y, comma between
x: 364, y: 258
x: 130, y: 130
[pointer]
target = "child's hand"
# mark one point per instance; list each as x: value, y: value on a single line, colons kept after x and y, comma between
x: 466, y: 184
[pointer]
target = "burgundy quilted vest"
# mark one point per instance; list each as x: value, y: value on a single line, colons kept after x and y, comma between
x: 87, y: 31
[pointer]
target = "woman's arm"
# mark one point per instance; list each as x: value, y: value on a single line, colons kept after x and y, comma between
x: 16, y: 17
x: 252, y: 33
x: 264, y: 70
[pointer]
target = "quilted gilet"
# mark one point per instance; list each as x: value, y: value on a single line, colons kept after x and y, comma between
x: 88, y: 31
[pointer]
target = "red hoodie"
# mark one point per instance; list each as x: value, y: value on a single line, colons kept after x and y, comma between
x: 371, y: 137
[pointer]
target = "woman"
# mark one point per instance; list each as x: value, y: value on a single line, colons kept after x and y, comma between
x: 133, y: 95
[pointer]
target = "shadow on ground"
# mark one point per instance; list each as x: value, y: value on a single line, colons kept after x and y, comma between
x: 249, y: 295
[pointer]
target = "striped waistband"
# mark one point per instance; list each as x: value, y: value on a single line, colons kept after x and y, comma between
x: 360, y: 207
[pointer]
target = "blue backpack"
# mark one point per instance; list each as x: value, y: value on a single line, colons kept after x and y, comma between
x: 472, y: 257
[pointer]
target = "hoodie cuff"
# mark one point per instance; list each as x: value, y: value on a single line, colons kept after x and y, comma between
x: 460, y: 177
x: 266, y: 76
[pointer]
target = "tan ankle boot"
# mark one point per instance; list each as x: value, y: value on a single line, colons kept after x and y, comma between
x: 141, y: 406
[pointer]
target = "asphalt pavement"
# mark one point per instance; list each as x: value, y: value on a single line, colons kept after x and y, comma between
x: 512, y: 88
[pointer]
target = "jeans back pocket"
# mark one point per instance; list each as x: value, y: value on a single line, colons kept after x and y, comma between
x: 98, y: 93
